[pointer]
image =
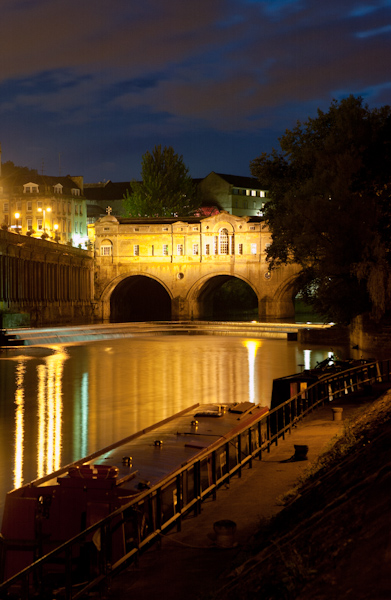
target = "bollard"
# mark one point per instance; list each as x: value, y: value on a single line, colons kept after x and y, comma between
x: 225, y: 533
x: 337, y: 414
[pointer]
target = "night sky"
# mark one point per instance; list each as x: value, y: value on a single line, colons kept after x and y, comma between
x: 88, y: 86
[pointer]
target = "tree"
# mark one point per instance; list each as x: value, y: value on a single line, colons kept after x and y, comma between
x: 9, y: 169
x: 166, y: 188
x: 329, y: 208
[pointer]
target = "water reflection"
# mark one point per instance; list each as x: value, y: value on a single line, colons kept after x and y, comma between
x: 252, y: 347
x: 68, y: 401
x: 19, y: 423
x: 50, y: 408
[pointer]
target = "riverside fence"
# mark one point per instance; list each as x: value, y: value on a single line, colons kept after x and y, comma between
x: 89, y: 559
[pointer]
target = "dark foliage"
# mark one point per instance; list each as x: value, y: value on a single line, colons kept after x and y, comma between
x: 329, y: 208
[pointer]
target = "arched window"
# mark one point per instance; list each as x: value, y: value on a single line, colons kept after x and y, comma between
x: 223, y: 241
x: 106, y: 248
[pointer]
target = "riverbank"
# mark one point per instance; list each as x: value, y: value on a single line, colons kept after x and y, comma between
x: 284, y: 551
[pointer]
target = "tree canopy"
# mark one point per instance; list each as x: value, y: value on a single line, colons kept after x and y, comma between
x: 9, y: 169
x: 166, y: 188
x: 329, y: 208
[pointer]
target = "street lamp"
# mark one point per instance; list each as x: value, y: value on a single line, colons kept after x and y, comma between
x: 44, y: 210
x: 17, y: 217
x: 56, y: 236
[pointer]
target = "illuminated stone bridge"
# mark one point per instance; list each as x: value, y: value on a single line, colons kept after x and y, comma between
x: 161, y: 269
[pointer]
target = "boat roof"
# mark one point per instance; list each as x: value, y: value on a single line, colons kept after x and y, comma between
x: 146, y: 458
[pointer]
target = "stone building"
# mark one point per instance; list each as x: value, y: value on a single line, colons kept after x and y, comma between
x: 43, y: 206
x: 177, y: 264
x: 241, y: 196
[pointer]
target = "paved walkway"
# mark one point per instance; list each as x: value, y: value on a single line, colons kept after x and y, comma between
x: 189, y: 564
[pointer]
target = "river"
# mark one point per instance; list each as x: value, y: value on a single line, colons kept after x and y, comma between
x: 59, y: 403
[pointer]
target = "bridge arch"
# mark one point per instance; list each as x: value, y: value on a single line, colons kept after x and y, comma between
x: 138, y: 297
x: 200, y: 296
x: 285, y: 294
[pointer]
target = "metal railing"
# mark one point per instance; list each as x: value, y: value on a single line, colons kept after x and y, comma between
x: 92, y: 557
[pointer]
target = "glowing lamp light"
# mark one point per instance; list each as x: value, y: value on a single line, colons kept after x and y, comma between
x: 17, y: 217
x: 44, y: 211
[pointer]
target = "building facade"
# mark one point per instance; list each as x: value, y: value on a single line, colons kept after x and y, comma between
x: 52, y: 208
x: 241, y: 196
x: 187, y: 259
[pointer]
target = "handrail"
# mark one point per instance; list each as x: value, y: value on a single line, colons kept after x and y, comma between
x: 115, y: 541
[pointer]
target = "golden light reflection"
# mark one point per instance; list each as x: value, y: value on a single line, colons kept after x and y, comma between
x: 50, y: 413
x: 252, y: 348
x: 19, y: 424
x: 307, y: 359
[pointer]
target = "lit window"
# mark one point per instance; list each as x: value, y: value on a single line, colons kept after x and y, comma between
x: 195, y: 249
x: 262, y: 194
x: 136, y: 250
x: 253, y: 248
x: 179, y: 249
x: 165, y: 249
x: 253, y: 192
x: 106, y: 250
x: 240, y: 248
x: 223, y: 241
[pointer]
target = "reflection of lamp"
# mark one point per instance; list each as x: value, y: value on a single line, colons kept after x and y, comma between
x: 17, y: 216
x: 43, y: 210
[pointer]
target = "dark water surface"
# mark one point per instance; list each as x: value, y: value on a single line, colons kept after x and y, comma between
x: 59, y: 403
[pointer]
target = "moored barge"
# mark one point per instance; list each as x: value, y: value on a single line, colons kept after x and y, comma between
x: 45, y: 513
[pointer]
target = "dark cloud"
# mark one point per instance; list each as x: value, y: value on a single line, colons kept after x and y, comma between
x: 103, y: 81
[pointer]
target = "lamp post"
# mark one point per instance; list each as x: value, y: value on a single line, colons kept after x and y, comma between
x: 44, y: 210
x: 17, y: 217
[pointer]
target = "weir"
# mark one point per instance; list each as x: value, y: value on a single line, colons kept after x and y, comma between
x: 88, y: 333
